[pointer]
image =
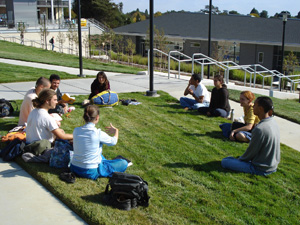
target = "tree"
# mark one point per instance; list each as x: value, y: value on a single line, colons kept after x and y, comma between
x: 44, y: 33
x: 147, y: 14
x: 254, y: 10
x: 60, y: 39
x: 104, y: 11
x: 130, y: 48
x: 22, y: 30
x: 233, y: 12
x: 157, y: 14
x: 290, y: 62
x: 225, y: 12
x: 264, y: 14
x: 298, y: 16
x: 214, y: 9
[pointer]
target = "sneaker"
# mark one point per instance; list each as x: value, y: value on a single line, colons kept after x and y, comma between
x: 121, y: 157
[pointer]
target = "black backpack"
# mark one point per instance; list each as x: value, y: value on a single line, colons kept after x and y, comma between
x: 126, y: 191
x: 6, y: 108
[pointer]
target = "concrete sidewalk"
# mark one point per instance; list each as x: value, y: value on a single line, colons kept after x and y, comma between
x: 27, y: 202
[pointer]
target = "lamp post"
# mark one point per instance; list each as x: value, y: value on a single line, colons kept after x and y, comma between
x: 234, y: 47
x: 79, y: 41
x: 284, y: 19
x: 151, y: 92
x: 209, y: 36
x: 45, y: 30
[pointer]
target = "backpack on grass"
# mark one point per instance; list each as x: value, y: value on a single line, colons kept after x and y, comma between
x: 106, y: 99
x: 6, y: 108
x: 12, y: 150
x: 126, y: 191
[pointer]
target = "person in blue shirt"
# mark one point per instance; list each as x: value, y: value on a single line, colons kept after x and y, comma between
x: 88, y: 140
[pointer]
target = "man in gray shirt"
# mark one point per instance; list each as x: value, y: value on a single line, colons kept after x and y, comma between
x: 263, y: 154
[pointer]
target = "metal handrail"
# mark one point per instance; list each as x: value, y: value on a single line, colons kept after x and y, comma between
x: 255, y: 70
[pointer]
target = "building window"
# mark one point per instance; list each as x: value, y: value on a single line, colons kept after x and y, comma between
x: 260, y: 57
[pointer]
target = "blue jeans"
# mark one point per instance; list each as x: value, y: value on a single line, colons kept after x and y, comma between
x: 192, y: 103
x: 216, y: 112
x: 105, y: 169
x: 235, y: 164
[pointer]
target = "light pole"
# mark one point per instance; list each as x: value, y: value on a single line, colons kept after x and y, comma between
x: 284, y: 19
x: 79, y: 41
x: 151, y: 92
x: 234, y: 47
x: 45, y: 31
x: 209, y: 36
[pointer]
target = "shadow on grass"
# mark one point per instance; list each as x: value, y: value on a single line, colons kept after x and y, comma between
x: 95, y: 198
x: 213, y: 134
x: 206, y: 167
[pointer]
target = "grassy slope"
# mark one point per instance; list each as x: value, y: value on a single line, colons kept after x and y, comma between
x: 179, y: 154
x: 12, y: 73
x: 20, y: 52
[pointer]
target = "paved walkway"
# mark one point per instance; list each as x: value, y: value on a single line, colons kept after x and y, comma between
x: 33, y: 204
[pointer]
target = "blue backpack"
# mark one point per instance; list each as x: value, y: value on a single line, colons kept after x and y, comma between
x: 60, y: 156
x: 106, y: 98
x: 12, y: 150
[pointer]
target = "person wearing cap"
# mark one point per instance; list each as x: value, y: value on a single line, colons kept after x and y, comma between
x: 263, y: 153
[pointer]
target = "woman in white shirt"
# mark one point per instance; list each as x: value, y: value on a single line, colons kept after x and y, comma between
x: 88, y: 160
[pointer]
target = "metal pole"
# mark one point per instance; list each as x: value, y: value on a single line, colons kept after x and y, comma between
x: 209, y: 36
x: 234, y: 46
x: 151, y: 92
x: 282, y: 50
x: 79, y: 40
x: 45, y: 31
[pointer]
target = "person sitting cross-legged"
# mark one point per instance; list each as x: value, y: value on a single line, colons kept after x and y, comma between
x: 263, y: 153
x: 219, y: 103
x: 88, y: 161
x: 199, y: 93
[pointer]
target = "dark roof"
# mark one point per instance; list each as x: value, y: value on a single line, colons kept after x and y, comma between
x: 244, y: 29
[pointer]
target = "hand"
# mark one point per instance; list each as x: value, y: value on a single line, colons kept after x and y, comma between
x: 111, y: 129
x: 191, y: 92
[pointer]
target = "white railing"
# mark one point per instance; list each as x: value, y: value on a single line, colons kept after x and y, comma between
x: 254, y: 70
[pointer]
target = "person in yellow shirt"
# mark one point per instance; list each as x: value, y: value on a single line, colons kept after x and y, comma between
x: 242, y: 131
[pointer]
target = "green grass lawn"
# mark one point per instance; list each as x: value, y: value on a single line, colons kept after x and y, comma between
x: 285, y: 108
x: 11, y: 50
x: 12, y: 73
x: 178, y: 153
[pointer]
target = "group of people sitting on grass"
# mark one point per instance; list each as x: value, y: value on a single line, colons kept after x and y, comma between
x: 259, y: 128
x: 88, y: 160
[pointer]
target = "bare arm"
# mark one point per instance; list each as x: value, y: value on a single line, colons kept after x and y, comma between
x: 247, y: 127
x: 60, y: 133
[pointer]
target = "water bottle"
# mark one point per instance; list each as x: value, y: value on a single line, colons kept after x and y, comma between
x: 232, y: 115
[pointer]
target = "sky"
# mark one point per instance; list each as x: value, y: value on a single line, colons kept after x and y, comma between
x: 242, y: 6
